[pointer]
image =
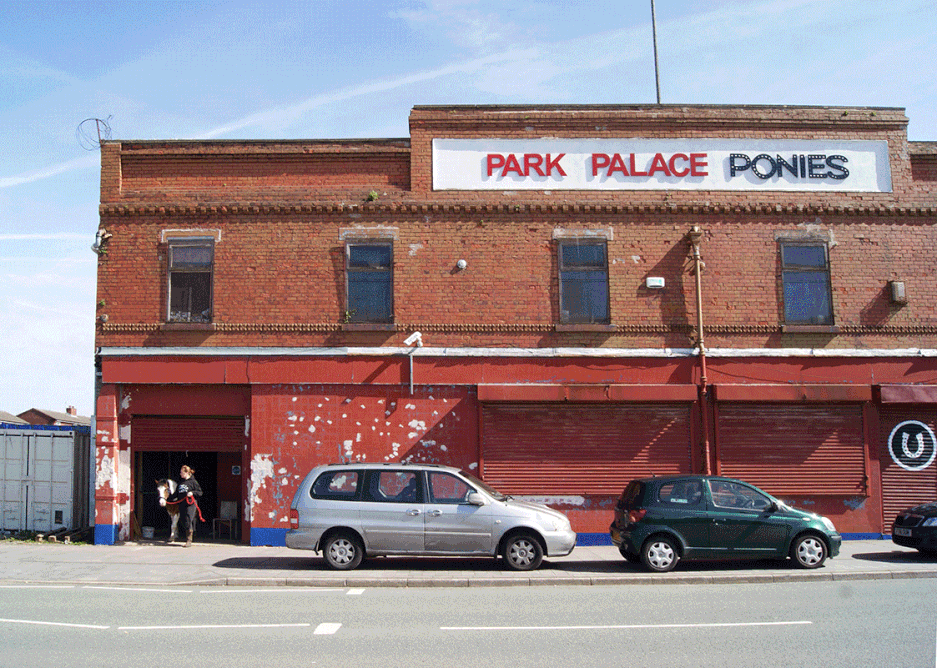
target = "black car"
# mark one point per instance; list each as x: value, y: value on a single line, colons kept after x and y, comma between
x: 659, y: 521
x: 917, y: 527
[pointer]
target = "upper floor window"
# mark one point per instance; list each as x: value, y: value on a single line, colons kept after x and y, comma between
x: 806, y: 276
x: 190, y: 279
x: 369, y: 275
x: 583, y: 268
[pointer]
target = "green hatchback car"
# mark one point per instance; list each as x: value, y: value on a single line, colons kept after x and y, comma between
x: 659, y: 521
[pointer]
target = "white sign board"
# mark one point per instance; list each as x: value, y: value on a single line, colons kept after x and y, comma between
x: 661, y: 164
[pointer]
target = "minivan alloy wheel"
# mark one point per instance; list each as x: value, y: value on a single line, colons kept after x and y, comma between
x: 522, y: 553
x: 343, y: 552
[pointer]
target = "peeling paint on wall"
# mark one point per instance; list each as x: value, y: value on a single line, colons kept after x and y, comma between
x: 261, y: 470
x: 105, y: 474
x: 854, y: 503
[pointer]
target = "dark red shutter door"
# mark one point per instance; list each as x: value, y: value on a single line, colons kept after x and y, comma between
x: 553, y: 449
x: 902, y: 488
x: 210, y: 434
x: 793, y: 449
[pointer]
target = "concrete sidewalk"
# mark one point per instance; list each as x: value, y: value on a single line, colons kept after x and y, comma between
x: 150, y: 563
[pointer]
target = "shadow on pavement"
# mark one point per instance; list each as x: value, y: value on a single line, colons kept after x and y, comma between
x: 897, y: 557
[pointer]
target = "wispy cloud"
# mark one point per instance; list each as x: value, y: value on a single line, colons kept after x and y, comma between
x: 287, y: 114
x: 85, y: 162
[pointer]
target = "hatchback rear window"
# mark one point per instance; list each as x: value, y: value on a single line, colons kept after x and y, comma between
x: 631, y: 496
x: 681, y: 493
x: 336, y: 485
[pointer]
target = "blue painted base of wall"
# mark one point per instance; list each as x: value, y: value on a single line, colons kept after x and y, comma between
x: 105, y: 534
x: 277, y: 537
x: 271, y: 537
x: 594, y: 539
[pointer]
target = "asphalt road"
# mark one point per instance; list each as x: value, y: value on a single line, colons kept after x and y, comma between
x: 863, y: 623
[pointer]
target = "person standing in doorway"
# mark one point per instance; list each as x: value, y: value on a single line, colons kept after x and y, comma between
x: 188, y: 491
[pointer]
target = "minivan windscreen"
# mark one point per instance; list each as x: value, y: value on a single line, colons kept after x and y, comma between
x: 491, y: 491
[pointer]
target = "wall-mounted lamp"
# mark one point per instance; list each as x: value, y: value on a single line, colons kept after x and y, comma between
x: 415, y: 340
x: 654, y: 282
x: 898, y: 294
x: 461, y: 265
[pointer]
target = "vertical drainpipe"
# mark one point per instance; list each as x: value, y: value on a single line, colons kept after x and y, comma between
x: 696, y: 235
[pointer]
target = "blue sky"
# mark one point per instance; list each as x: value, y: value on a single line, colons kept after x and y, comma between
x: 353, y: 68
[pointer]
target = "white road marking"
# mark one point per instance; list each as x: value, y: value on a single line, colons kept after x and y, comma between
x: 157, y: 591
x: 355, y: 592
x: 326, y: 629
x: 616, y: 627
x: 209, y: 626
x: 37, y: 586
x: 305, y: 590
x: 28, y: 621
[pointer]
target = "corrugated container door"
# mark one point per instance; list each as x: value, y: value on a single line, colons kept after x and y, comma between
x: 208, y: 434
x: 562, y: 449
x: 12, y: 485
x: 50, y: 481
x: 913, y: 481
x: 793, y: 449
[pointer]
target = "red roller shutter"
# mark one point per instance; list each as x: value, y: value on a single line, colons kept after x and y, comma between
x: 794, y: 449
x: 903, y: 488
x: 209, y: 434
x: 555, y: 449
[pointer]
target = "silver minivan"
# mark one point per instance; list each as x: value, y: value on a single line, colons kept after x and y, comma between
x: 350, y: 511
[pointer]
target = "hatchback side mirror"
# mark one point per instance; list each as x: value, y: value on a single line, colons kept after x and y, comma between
x: 773, y: 508
x: 475, y: 499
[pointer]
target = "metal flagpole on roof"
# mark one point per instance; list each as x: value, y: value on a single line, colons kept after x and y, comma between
x: 654, y: 31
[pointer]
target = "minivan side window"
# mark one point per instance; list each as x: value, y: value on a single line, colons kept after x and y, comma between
x: 395, y: 487
x: 338, y: 485
x: 682, y: 492
x: 446, y: 488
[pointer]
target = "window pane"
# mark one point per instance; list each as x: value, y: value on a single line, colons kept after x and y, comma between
x: 804, y: 256
x: 584, y: 297
x: 807, y: 298
x: 369, y: 297
x: 369, y: 257
x: 190, y: 296
x: 190, y: 257
x: 573, y: 256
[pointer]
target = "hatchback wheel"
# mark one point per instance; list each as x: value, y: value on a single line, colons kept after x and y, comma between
x: 660, y: 554
x: 522, y: 552
x: 343, y: 551
x: 808, y: 552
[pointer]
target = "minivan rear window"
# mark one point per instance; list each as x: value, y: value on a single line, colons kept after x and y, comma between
x: 341, y: 485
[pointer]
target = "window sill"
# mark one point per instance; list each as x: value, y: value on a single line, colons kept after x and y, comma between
x: 369, y: 327
x: 188, y: 327
x: 810, y: 329
x: 603, y: 329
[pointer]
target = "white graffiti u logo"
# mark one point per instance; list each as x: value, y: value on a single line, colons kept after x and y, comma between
x: 907, y: 451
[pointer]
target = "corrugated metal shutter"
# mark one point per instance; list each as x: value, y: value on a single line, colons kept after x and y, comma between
x: 555, y: 449
x: 210, y: 434
x: 902, y: 488
x: 794, y: 449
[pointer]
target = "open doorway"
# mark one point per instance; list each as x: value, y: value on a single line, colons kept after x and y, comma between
x: 152, y: 466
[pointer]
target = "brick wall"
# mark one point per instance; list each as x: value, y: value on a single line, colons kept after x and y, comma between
x: 281, y: 212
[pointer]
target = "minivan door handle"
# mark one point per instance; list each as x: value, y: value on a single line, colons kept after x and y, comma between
x: 434, y: 513
x: 413, y: 512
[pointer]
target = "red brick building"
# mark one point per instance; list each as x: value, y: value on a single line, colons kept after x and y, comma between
x: 258, y: 303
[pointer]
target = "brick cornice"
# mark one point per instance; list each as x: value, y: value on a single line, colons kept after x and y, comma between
x: 519, y: 208
x: 111, y: 327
